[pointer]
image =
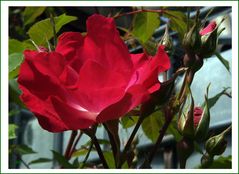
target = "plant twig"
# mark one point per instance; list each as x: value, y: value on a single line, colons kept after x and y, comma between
x: 99, y: 151
x: 162, y: 132
x: 130, y: 140
x: 70, y: 143
x: 23, y: 162
x: 137, y: 11
x: 75, y: 144
x: 87, y: 156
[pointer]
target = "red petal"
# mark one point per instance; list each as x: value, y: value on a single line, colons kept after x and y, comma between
x: 208, y: 29
x: 39, y: 84
x: 99, y: 87
x: 47, y: 63
x: 133, y: 97
x: 74, y: 118
x: 44, y: 112
x: 68, y: 44
x: 104, y: 45
x: 69, y: 77
x: 148, y: 68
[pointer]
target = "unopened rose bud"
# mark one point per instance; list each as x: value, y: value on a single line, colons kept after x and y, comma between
x: 201, y: 122
x: 216, y: 145
x: 209, y: 39
x: 185, y: 122
x: 166, y: 41
x: 208, y: 29
x: 198, y: 111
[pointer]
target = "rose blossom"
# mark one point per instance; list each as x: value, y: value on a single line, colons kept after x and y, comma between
x: 88, y: 79
x: 208, y: 29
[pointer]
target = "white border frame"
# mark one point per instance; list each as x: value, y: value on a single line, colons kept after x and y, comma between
x: 4, y: 82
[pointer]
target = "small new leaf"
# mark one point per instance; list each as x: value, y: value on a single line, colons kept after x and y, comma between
x: 223, y: 61
x: 23, y: 149
x: 40, y: 160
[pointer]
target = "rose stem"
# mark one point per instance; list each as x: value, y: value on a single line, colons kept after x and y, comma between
x: 159, y: 140
x: 145, y: 10
x: 129, y: 142
x: 188, y: 79
x: 113, y: 144
x: 99, y: 151
x: 76, y: 142
x: 87, y: 156
x: 70, y: 143
x: 137, y: 11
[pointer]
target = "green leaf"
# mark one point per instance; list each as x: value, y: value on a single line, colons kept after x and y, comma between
x: 61, y: 160
x: 28, y: 45
x: 40, y: 160
x: 13, y: 112
x: 23, y: 149
x: 223, y: 61
x: 100, y: 141
x: 150, y: 47
x: 80, y: 152
x: 213, y: 100
x: 31, y: 13
x: 15, y: 60
x: 42, y: 31
x: 173, y: 131
x: 152, y: 124
x: 109, y: 157
x: 128, y: 121
x: 144, y: 25
x: 15, y: 46
x: 178, y: 21
x: 11, y: 131
x: 222, y: 163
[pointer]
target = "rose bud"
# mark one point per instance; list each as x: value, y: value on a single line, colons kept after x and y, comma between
x: 166, y: 41
x: 88, y: 79
x: 209, y: 38
x: 185, y: 122
x: 197, y: 116
x: 216, y: 145
x: 208, y: 29
x: 201, y: 122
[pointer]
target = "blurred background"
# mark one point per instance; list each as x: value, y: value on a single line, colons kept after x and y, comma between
x: 29, y: 133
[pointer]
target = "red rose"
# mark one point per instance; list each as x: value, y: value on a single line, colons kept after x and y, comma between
x: 208, y: 29
x: 88, y: 79
x: 197, y: 115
